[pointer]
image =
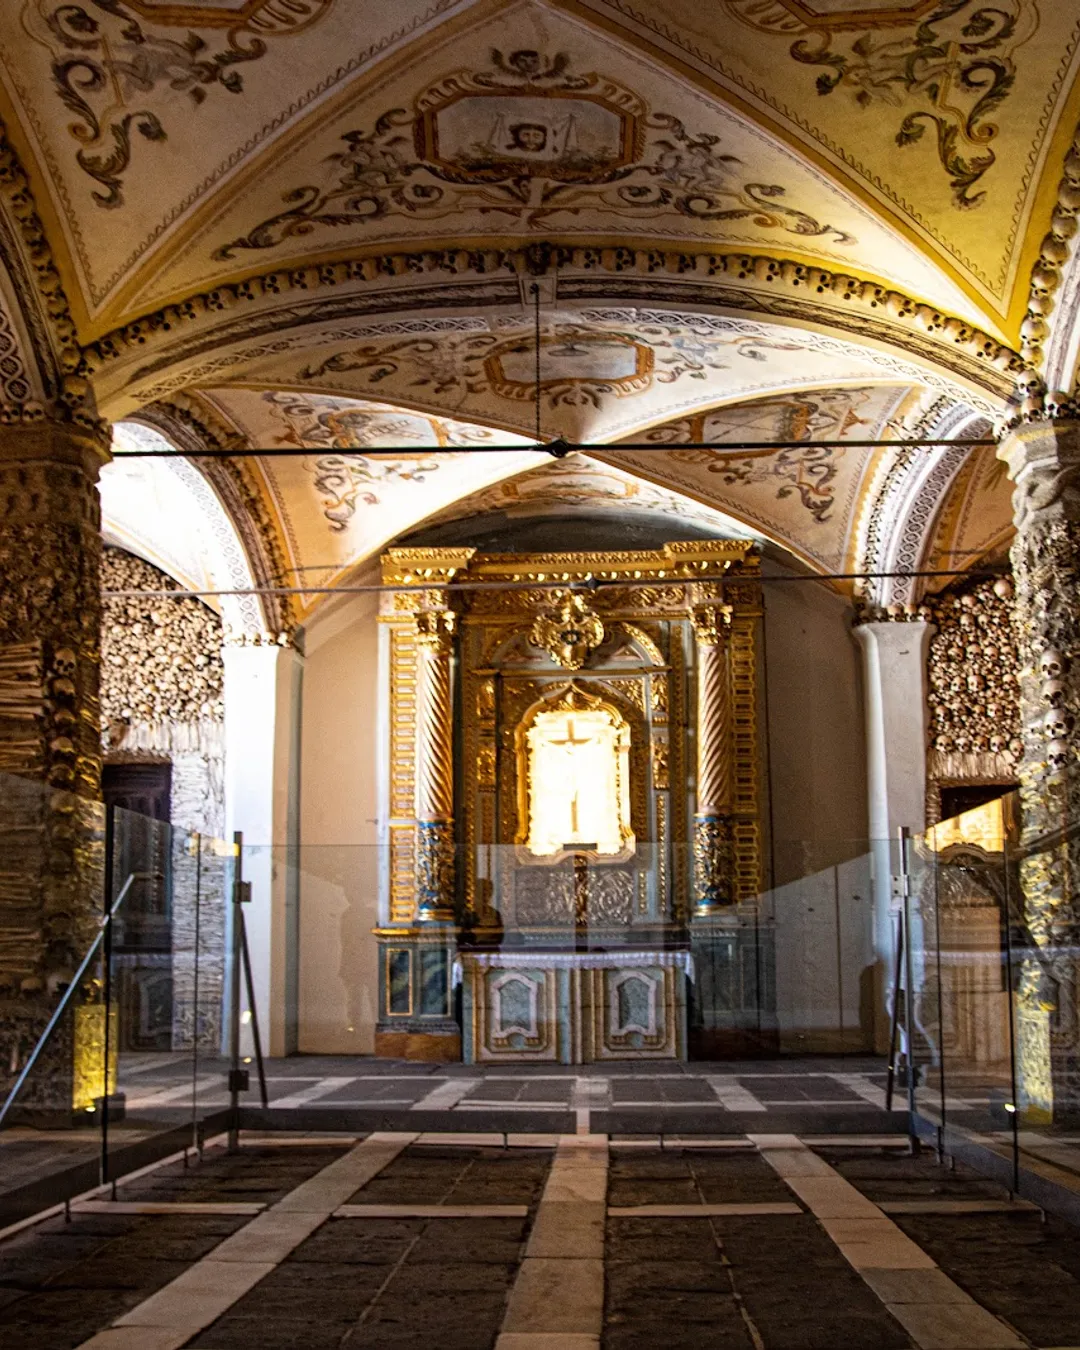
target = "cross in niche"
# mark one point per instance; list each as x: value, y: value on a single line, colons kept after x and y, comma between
x: 570, y: 740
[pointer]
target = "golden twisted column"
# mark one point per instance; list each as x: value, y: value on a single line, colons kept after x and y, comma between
x: 434, y: 766
x: 712, y: 823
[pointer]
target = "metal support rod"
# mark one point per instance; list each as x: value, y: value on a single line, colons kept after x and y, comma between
x: 110, y: 826
x: 940, y: 1011
x: 904, y: 841
x: 196, y: 1142
x: 1015, y: 1113
x: 253, y: 1008
x: 69, y: 993
x: 234, y: 994
x: 561, y: 447
x: 894, y: 1020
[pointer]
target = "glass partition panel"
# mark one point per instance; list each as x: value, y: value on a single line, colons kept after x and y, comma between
x: 113, y: 959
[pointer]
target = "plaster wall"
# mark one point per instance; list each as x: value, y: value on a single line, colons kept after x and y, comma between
x: 339, y: 840
x: 816, y: 859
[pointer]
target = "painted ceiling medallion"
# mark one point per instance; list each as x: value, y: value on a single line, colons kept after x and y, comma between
x: 526, y: 140
x: 571, y: 364
x: 568, y: 632
x: 261, y: 16
x: 856, y: 13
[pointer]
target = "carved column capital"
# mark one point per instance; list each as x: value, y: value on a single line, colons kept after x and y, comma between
x: 435, y: 629
x: 712, y: 623
x: 1044, y: 465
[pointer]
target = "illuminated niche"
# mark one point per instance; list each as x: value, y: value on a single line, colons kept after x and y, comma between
x: 577, y: 776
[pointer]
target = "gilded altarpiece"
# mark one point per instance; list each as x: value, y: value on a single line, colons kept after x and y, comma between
x: 603, y: 802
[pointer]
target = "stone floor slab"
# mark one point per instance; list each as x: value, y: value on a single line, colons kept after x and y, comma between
x: 954, y: 1326
x: 557, y: 1296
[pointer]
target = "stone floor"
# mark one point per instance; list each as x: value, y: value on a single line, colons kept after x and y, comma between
x: 573, y: 1242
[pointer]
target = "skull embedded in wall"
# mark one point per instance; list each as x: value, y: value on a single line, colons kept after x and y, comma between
x: 64, y: 661
x: 1057, y: 754
x: 1052, y: 693
x: 1052, y: 665
x: 1056, y: 724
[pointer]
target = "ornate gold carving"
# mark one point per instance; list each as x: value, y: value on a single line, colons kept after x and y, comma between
x: 644, y: 641
x: 485, y: 766
x: 88, y: 1083
x: 435, y: 629
x: 568, y: 631
x: 485, y: 698
x: 711, y: 623
x: 633, y: 690
x: 660, y: 764
x: 658, y: 692
x: 662, y: 844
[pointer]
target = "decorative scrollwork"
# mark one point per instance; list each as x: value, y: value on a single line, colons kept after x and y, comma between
x: 569, y: 631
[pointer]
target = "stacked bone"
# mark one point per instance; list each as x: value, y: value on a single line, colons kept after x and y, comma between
x: 972, y: 683
x: 161, y: 664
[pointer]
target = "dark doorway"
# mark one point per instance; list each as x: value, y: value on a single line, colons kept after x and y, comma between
x: 140, y: 795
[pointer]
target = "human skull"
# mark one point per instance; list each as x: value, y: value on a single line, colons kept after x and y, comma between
x: 1057, y: 754
x: 1056, y: 724
x: 64, y: 661
x: 1052, y: 664
x: 1052, y: 693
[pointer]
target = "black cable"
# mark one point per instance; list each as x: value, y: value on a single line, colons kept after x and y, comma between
x: 536, y: 340
x: 557, y: 448
x: 592, y: 583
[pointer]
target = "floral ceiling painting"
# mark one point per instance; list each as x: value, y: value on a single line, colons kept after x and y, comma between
x: 336, y: 504
x: 527, y: 122
x: 941, y: 110
x: 605, y: 374
x: 802, y: 492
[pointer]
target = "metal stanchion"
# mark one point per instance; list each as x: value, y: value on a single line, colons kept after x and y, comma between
x: 238, y: 1076
x: 904, y: 841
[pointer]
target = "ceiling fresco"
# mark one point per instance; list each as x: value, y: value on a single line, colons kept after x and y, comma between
x: 944, y: 111
x: 336, y: 506
x: 290, y: 225
x: 605, y: 374
x: 175, y: 147
x: 583, y: 482
x: 805, y: 496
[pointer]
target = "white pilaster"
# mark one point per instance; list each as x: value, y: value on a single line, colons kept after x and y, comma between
x: 262, y: 789
x: 894, y: 688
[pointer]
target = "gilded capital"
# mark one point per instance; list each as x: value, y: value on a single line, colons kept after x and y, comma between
x: 711, y: 623
x: 435, y: 628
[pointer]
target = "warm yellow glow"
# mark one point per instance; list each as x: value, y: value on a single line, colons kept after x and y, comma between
x: 578, y: 775
x: 983, y: 826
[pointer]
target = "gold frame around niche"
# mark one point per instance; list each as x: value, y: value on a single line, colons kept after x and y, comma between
x: 570, y: 698
x: 655, y: 691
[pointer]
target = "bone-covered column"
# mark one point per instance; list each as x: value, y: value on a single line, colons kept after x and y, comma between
x: 434, y: 765
x: 1044, y: 464
x: 713, y: 854
x: 50, y: 734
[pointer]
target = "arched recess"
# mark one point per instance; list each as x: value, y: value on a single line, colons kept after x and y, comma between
x: 165, y: 511
x: 898, y: 519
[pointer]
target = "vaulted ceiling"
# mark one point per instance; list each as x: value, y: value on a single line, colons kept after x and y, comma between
x: 326, y: 226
